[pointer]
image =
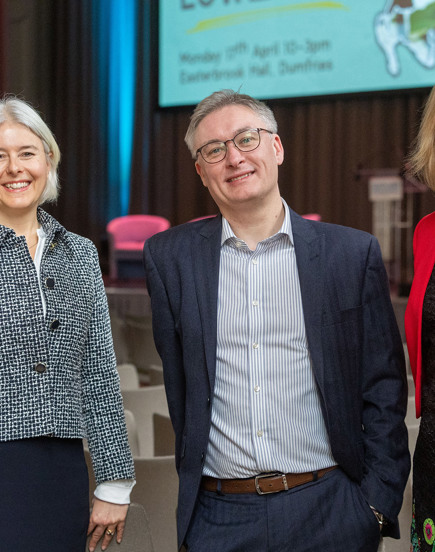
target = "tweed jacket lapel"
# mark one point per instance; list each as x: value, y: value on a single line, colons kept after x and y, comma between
x: 309, y: 248
x: 206, y: 256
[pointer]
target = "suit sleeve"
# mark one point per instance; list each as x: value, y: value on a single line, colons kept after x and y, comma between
x: 168, y: 345
x: 384, y: 392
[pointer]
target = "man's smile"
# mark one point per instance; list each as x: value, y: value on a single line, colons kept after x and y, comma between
x: 240, y: 177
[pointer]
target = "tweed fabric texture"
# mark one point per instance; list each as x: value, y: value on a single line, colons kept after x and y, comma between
x: 58, y: 373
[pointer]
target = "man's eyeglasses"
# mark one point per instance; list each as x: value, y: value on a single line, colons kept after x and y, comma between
x: 248, y: 140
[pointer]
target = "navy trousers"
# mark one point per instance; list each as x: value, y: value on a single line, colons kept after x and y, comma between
x: 44, y: 496
x: 329, y: 515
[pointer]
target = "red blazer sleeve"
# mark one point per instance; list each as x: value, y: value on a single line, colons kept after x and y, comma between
x: 424, y: 259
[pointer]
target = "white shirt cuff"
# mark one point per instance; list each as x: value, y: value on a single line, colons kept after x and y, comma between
x: 117, y: 491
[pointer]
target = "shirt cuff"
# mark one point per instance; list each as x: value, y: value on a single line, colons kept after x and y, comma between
x: 117, y: 491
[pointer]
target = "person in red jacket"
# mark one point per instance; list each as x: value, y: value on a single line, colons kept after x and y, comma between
x: 420, y: 336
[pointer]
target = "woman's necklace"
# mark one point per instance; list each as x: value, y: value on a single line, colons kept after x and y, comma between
x: 33, y: 245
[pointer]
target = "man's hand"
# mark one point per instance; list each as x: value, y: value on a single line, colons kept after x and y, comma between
x: 106, y: 520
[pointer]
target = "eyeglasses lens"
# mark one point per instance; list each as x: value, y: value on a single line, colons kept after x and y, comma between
x: 247, y: 140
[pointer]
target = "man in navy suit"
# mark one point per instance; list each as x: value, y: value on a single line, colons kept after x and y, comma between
x: 282, y: 360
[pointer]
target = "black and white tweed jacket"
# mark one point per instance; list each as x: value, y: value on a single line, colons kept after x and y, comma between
x: 58, y: 373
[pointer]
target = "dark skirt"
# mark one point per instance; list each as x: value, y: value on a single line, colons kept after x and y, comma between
x: 44, y: 496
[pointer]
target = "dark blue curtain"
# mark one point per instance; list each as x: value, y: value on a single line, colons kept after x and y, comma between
x: 96, y: 103
x: 114, y: 54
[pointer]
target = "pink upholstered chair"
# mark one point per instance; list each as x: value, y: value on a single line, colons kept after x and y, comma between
x: 127, y: 236
x: 312, y: 216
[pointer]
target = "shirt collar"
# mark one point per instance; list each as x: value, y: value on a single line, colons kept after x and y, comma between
x: 286, y: 228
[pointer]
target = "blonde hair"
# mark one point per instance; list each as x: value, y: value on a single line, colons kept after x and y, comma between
x: 18, y: 111
x: 421, y: 161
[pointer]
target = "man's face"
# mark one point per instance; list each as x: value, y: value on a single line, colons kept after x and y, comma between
x: 242, y: 177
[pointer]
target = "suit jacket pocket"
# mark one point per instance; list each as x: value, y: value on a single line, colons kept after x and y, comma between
x: 345, y: 316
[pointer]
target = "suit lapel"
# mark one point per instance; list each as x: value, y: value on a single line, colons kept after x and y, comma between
x: 206, y: 258
x: 309, y: 248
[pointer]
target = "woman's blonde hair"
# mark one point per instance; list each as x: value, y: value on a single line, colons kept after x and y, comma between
x: 421, y: 161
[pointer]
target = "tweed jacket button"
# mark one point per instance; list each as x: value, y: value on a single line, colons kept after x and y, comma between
x: 40, y: 368
x: 55, y: 324
x: 49, y: 283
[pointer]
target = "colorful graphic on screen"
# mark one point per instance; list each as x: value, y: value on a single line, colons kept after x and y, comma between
x: 281, y: 48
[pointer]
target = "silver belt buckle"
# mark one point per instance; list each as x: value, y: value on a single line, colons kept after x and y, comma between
x: 266, y: 476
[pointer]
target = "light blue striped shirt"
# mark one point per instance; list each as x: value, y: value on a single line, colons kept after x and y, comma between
x: 266, y: 413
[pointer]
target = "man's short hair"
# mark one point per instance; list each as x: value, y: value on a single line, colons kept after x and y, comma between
x: 221, y: 99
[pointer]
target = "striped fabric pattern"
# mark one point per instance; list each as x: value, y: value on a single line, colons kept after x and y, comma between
x: 266, y: 412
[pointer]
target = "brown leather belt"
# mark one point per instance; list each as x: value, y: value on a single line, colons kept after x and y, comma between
x: 265, y: 483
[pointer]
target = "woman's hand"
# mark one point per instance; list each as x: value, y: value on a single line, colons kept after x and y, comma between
x: 106, y: 520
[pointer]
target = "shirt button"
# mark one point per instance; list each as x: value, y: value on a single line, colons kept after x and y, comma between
x: 255, y: 345
x: 260, y: 433
x: 255, y: 303
x: 49, y: 283
x: 55, y: 324
x: 255, y: 261
x: 40, y: 368
x: 239, y: 244
x: 257, y: 388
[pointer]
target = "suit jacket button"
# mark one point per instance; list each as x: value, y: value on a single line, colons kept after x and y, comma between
x: 55, y: 324
x: 49, y: 283
x: 40, y: 367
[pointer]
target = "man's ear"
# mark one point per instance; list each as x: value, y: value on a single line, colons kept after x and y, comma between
x: 279, y: 149
x: 199, y: 172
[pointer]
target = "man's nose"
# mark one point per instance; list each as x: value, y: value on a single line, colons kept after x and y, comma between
x: 234, y: 155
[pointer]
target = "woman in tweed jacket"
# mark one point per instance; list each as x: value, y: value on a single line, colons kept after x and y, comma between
x: 58, y: 377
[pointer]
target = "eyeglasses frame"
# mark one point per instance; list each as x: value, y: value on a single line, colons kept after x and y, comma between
x: 199, y: 150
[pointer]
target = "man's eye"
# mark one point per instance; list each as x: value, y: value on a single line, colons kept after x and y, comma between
x: 215, y: 151
x: 246, y: 140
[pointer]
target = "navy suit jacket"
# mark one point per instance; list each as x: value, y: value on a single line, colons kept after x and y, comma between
x: 354, y: 342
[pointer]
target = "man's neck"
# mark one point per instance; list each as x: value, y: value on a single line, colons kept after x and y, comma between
x: 255, y: 225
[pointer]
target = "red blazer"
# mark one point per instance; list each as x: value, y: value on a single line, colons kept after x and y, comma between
x: 424, y: 260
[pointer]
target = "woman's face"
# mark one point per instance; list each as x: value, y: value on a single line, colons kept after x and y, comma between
x: 24, y: 168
